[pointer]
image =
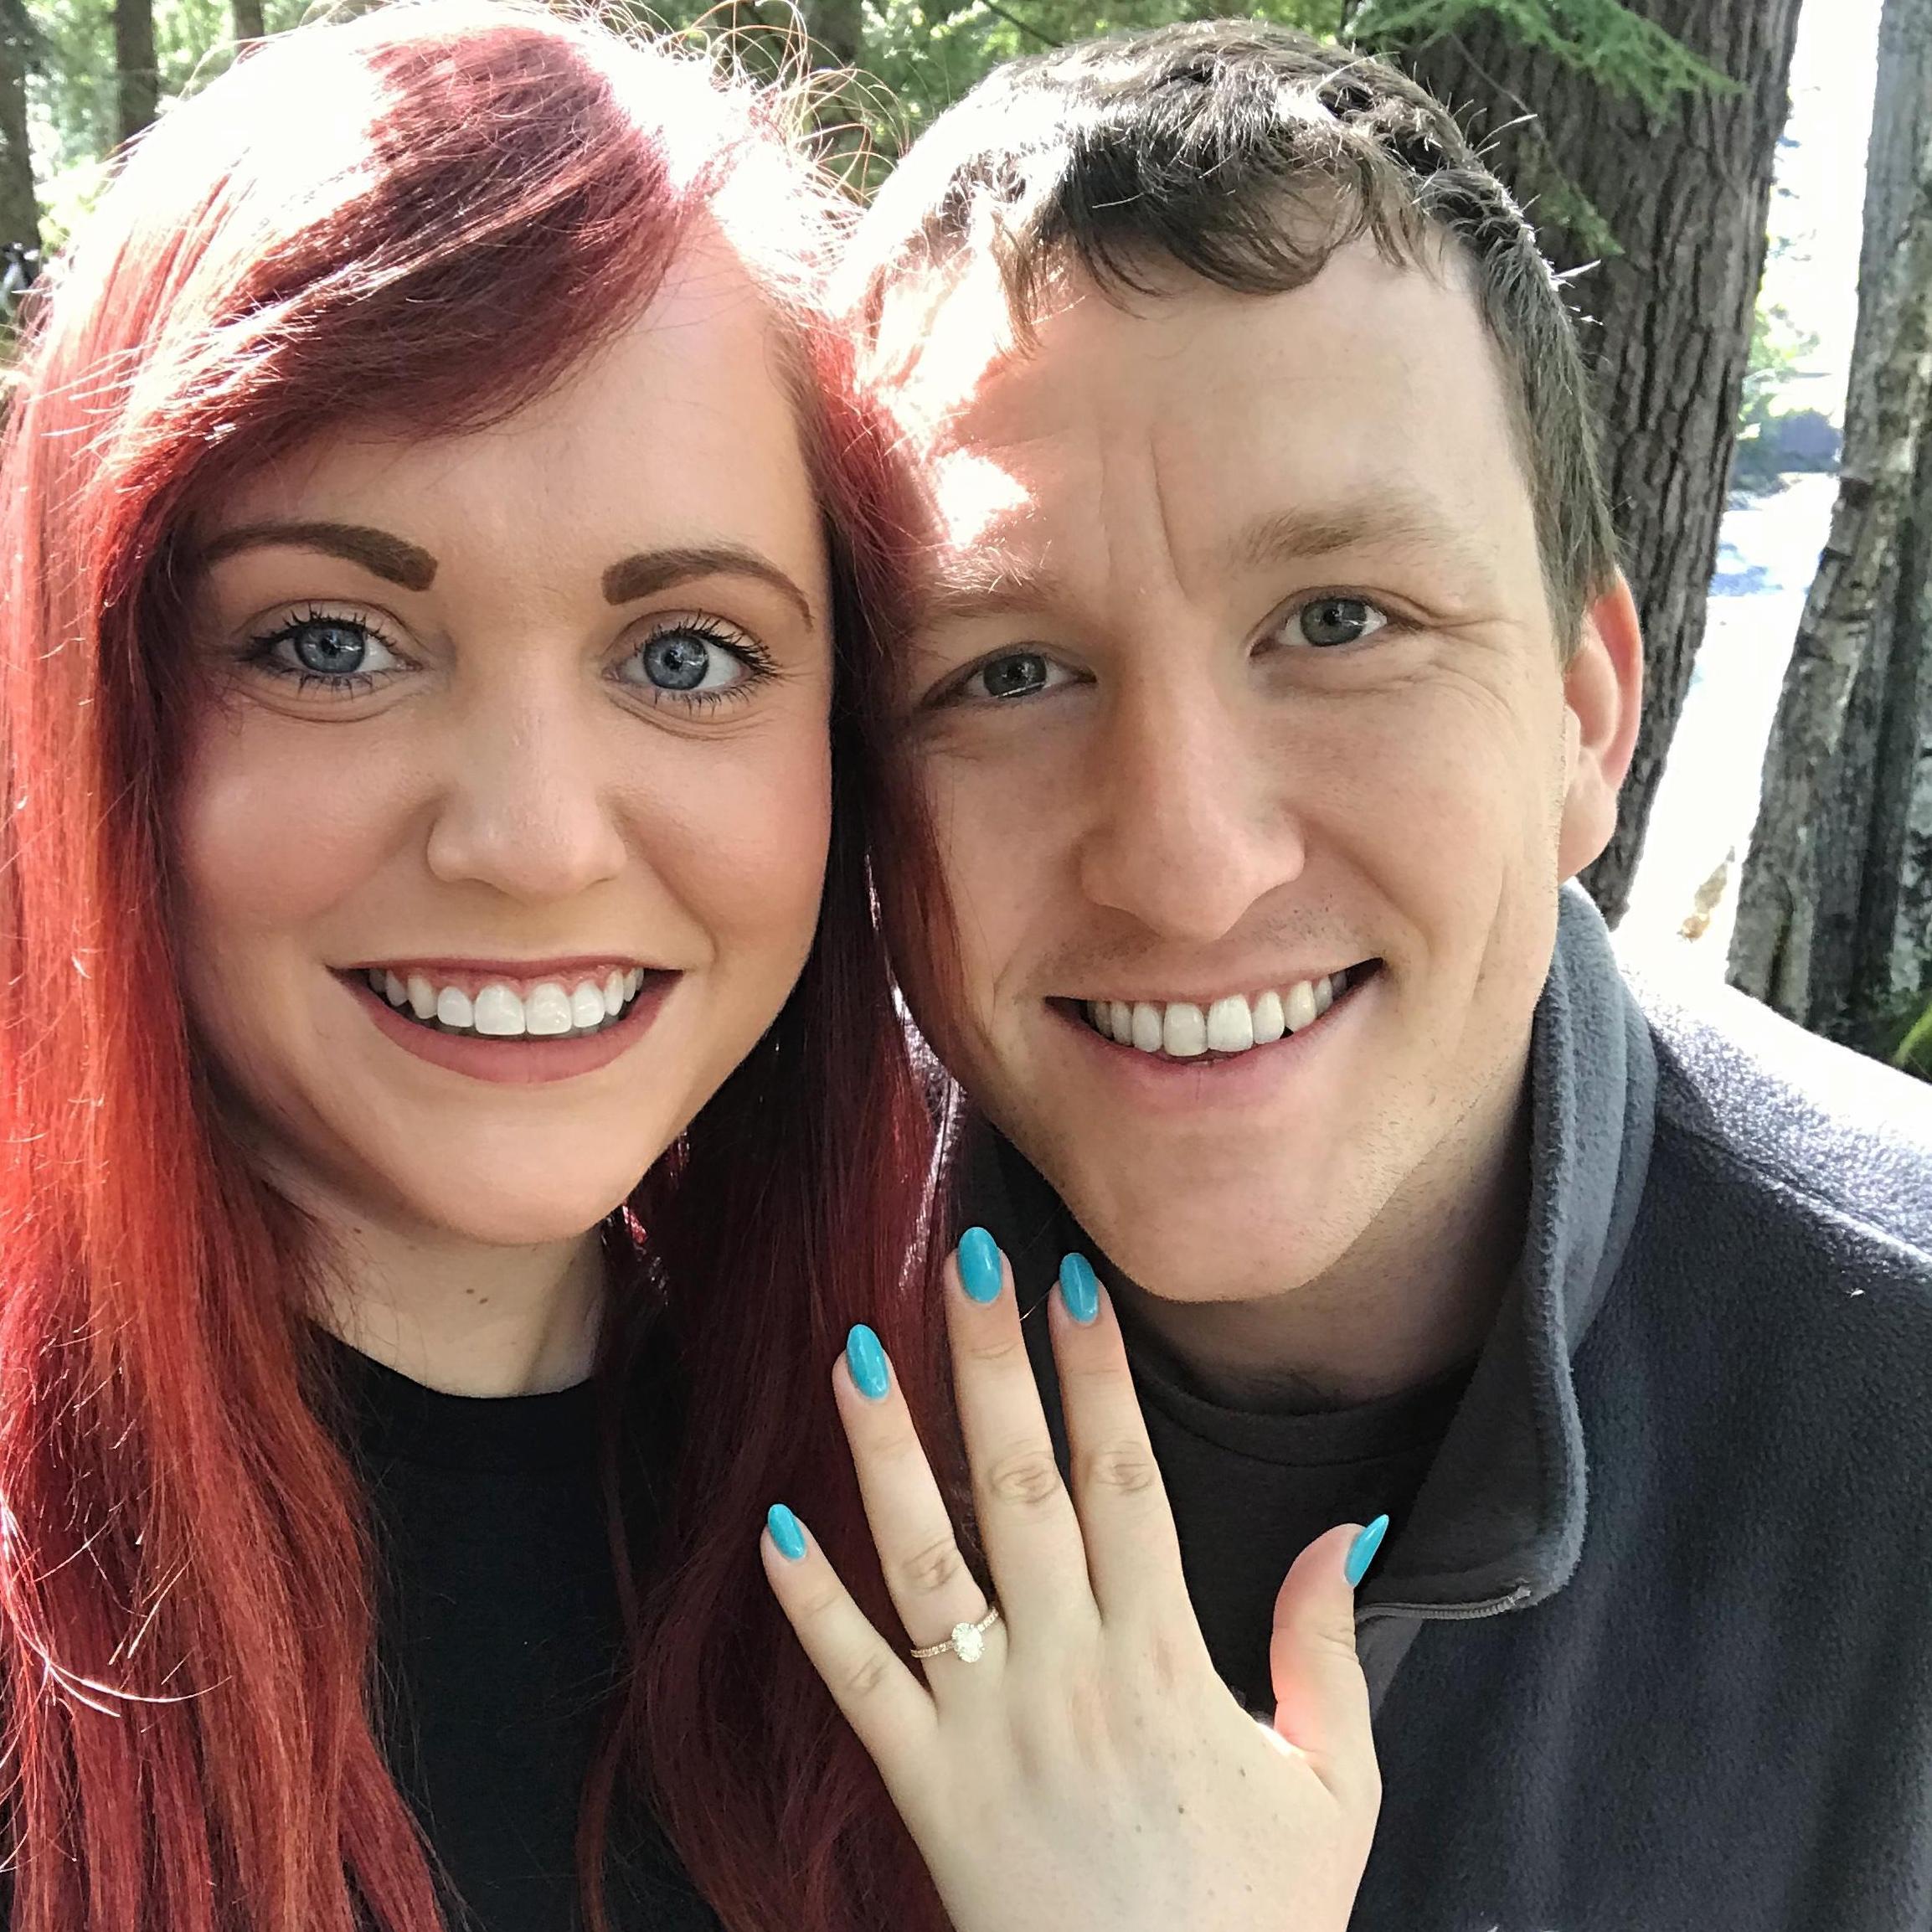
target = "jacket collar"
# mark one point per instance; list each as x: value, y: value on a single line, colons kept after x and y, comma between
x: 1498, y: 1523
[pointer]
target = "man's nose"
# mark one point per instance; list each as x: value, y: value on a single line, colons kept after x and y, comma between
x: 1191, y: 822
x: 526, y: 806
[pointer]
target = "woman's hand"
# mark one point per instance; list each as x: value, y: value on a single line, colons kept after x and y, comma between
x: 1090, y: 1769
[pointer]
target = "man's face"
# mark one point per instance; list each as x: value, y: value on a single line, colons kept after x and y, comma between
x: 1238, y: 707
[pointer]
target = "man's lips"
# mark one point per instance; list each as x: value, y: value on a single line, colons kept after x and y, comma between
x: 1223, y: 1027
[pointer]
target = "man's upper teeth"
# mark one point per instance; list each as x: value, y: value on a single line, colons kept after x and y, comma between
x: 1230, y: 1025
x: 549, y: 1009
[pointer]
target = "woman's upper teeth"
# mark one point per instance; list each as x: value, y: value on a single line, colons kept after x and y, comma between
x: 1182, y: 1030
x: 548, y: 1009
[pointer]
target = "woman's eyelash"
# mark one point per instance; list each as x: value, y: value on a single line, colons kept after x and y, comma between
x: 258, y: 651
x: 757, y: 663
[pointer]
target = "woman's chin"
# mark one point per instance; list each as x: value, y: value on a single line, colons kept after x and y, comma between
x: 513, y: 1212
x: 479, y: 1204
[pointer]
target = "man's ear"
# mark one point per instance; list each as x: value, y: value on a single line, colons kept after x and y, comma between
x: 1603, y: 691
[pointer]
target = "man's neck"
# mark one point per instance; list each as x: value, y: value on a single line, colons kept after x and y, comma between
x: 1415, y: 1297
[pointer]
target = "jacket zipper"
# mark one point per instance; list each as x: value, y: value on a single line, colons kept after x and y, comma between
x: 1448, y: 1613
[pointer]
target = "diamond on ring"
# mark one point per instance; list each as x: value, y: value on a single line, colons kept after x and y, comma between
x: 968, y: 1641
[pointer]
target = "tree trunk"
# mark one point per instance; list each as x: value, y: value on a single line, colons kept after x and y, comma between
x: 1685, y: 194
x: 248, y: 21
x: 1843, y: 944
x: 838, y: 31
x: 137, y: 71
x: 19, y: 204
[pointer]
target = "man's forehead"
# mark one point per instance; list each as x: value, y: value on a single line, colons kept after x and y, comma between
x: 1325, y: 419
x: 949, y: 341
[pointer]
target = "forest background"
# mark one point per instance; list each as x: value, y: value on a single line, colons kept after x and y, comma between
x: 1642, y: 136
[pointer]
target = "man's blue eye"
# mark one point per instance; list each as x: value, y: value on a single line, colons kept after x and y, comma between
x: 1339, y: 620
x: 1015, y: 676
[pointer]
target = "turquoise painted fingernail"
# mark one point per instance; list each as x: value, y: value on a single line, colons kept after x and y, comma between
x: 866, y: 1359
x: 1362, y: 1551
x: 979, y: 1266
x: 787, y: 1533
x: 1080, y: 1288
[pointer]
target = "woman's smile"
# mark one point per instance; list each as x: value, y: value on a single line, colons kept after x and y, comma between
x: 552, y: 1021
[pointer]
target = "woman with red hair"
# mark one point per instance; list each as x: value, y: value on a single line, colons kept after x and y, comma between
x: 451, y: 1100
x: 441, y: 567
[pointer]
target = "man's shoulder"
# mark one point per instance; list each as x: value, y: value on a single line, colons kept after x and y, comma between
x: 1754, y: 1109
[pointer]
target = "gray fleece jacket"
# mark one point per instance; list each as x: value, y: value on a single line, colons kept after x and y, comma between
x: 1652, y: 1650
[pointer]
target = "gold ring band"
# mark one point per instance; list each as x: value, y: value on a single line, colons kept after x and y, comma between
x: 968, y: 1641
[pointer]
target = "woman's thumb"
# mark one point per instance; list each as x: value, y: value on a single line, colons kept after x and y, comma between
x: 1321, y: 1696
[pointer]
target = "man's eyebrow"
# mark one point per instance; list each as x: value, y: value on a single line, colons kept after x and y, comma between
x: 378, y: 552
x: 1406, y: 522
x: 987, y: 584
x: 650, y: 571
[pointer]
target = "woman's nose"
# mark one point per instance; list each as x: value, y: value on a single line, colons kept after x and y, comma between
x: 526, y: 806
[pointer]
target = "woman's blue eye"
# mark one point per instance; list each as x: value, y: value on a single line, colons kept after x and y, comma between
x: 686, y: 660
x: 1329, y: 621
x: 330, y: 650
x: 326, y: 650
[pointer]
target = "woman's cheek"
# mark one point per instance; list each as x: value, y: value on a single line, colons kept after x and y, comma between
x: 748, y: 859
x: 273, y: 826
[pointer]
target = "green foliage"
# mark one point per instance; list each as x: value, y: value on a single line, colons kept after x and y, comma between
x: 71, y: 91
x: 925, y: 55
x: 920, y: 56
x: 1620, y: 51
x: 1780, y: 350
x: 1914, y: 1052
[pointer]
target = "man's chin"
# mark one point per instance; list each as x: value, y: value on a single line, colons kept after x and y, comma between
x: 1213, y: 1248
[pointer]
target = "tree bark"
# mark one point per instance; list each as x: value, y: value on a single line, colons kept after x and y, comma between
x: 19, y: 203
x: 137, y: 70
x: 1686, y: 195
x: 1843, y: 946
x: 248, y: 21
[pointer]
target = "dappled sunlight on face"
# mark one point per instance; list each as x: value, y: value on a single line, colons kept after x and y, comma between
x: 1237, y: 672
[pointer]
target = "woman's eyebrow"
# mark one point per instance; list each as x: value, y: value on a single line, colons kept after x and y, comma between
x: 382, y: 555
x: 653, y: 570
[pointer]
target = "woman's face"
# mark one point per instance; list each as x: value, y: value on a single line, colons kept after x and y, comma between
x: 504, y: 818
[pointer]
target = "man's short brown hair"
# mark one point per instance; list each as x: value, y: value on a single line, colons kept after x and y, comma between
x: 1246, y: 154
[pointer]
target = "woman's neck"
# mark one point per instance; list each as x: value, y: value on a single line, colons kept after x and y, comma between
x: 466, y: 1319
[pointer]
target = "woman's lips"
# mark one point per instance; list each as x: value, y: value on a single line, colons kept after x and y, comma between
x: 525, y: 1059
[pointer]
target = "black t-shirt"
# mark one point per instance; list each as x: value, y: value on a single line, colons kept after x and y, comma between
x: 499, y: 1639
x: 1251, y: 1488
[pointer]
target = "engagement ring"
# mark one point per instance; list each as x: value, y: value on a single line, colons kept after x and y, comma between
x: 968, y: 1641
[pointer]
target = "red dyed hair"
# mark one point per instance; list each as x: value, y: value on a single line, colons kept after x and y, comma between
x: 426, y: 216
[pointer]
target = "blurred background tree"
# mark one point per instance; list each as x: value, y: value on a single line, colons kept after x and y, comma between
x: 1835, y: 913
x: 1643, y: 140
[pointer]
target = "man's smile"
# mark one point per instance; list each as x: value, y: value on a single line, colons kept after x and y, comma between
x: 1234, y: 1023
